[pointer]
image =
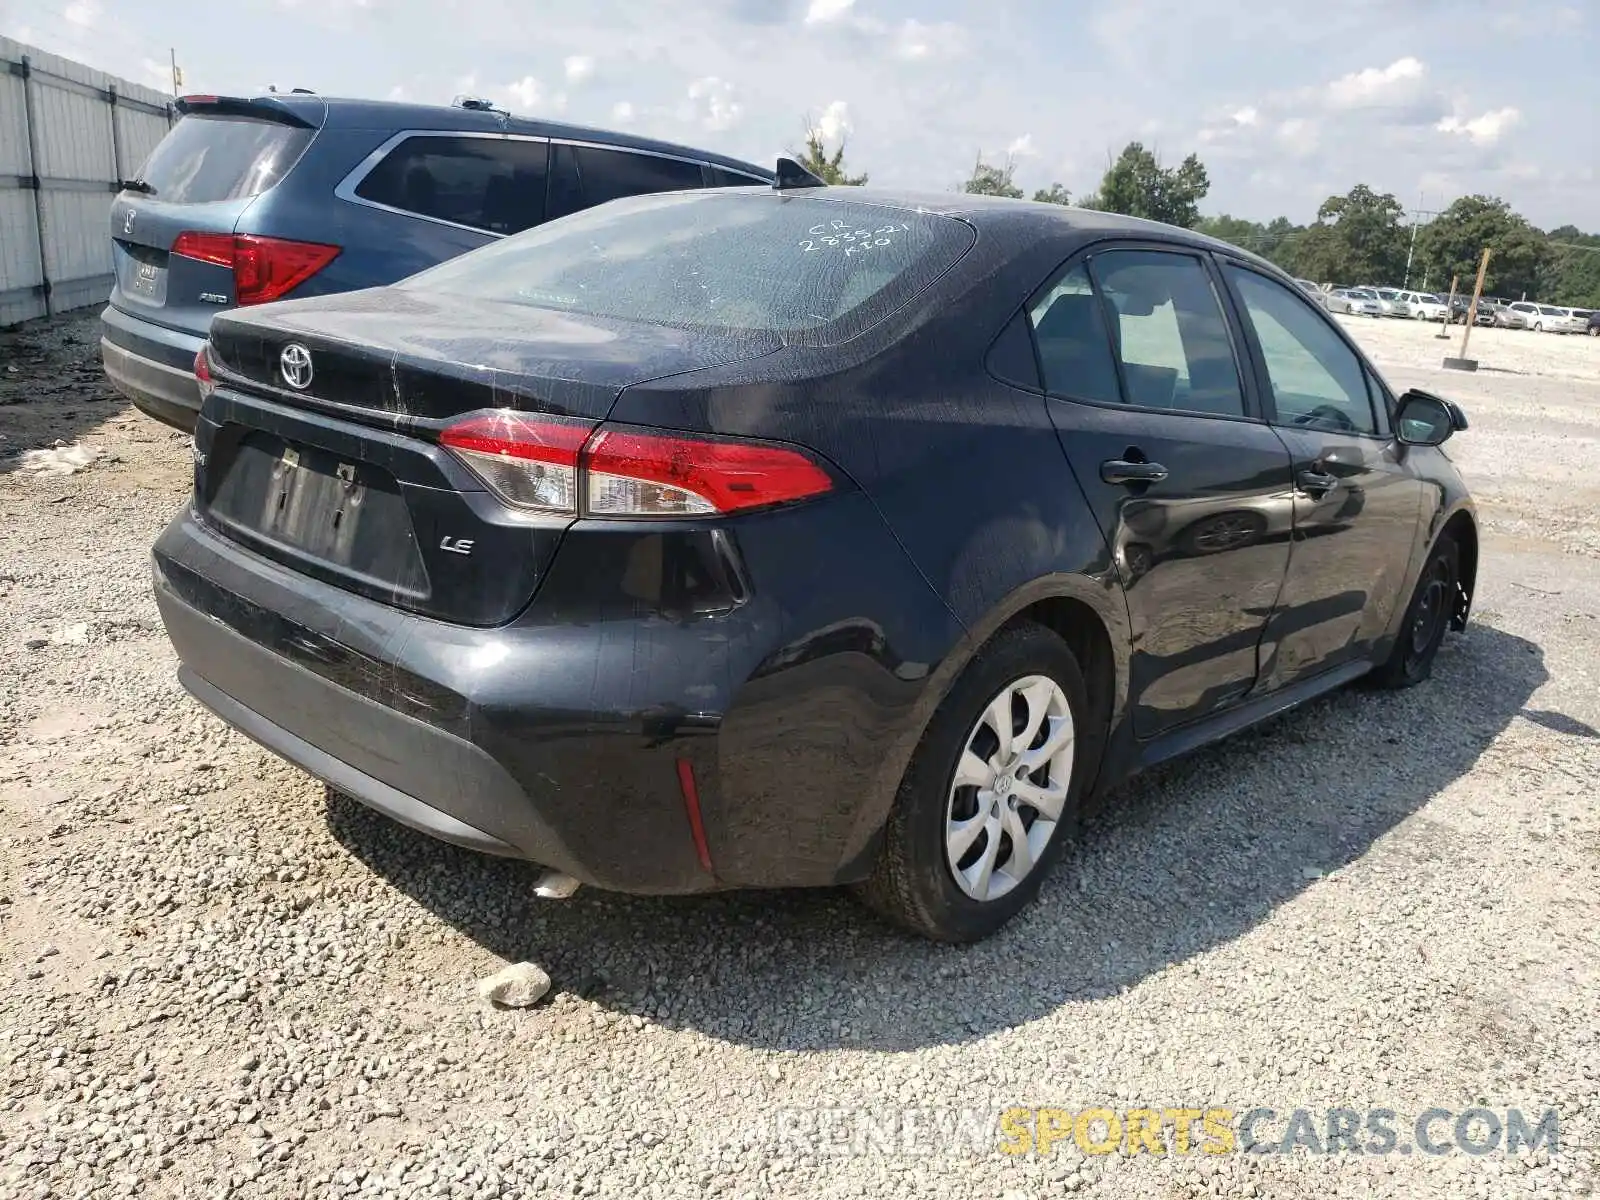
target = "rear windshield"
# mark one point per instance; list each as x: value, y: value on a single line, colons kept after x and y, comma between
x: 208, y: 158
x: 814, y: 269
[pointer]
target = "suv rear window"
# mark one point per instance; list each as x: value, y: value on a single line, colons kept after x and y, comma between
x: 718, y: 260
x: 207, y: 157
x: 495, y: 184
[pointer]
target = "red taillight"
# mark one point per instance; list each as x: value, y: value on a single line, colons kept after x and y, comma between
x: 650, y: 474
x: 529, y: 462
x: 215, y: 248
x: 267, y: 268
x: 263, y: 268
x: 202, y: 371
x: 556, y: 465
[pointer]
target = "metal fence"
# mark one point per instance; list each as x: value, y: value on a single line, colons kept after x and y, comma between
x: 68, y: 136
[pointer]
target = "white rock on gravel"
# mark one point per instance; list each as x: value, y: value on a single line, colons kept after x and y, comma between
x: 521, y: 985
x: 59, y: 460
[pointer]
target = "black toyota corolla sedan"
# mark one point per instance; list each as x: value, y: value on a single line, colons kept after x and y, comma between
x: 800, y: 536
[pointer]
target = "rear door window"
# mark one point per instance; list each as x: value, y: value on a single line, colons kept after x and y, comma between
x: 206, y: 158
x: 1169, y: 332
x: 589, y: 175
x: 1069, y: 328
x: 494, y: 184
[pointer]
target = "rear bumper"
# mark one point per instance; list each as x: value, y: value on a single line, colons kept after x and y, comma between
x: 152, y: 366
x: 559, y: 737
x: 468, y: 735
x: 352, y: 781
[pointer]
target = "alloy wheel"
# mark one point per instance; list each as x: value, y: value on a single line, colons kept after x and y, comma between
x: 1009, y: 788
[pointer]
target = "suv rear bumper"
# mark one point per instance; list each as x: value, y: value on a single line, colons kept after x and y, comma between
x: 152, y: 366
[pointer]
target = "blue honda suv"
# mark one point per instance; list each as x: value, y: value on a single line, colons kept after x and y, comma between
x: 292, y: 194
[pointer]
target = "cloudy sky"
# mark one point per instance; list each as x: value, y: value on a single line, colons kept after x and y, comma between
x: 1285, y: 102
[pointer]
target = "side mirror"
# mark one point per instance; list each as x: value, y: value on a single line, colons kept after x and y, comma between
x: 1424, y: 419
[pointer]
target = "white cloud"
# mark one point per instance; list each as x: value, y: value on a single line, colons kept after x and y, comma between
x: 920, y: 41
x: 622, y: 112
x: 1484, y: 129
x: 713, y: 103
x: 823, y: 11
x: 1377, y: 85
x: 397, y: 92
x: 525, y: 93
x: 82, y: 13
x: 1022, y: 147
x: 834, y: 123
x: 579, y: 67
x: 1298, y: 135
x: 1246, y: 116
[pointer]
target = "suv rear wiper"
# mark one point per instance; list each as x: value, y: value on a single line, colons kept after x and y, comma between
x: 139, y: 185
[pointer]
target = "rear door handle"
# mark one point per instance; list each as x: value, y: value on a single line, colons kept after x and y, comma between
x: 1317, y: 483
x: 1120, y: 470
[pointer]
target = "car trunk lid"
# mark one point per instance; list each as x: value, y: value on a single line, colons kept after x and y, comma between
x: 319, y: 448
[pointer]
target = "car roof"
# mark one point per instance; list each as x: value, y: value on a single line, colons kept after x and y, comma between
x: 351, y: 113
x: 996, y: 211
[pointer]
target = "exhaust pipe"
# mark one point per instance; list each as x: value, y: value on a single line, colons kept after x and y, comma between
x: 555, y: 885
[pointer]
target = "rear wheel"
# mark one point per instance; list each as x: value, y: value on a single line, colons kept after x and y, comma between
x: 1426, y: 621
x: 991, y: 795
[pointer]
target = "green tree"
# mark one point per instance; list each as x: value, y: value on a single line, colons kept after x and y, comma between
x: 1054, y: 194
x: 1137, y: 184
x: 825, y: 166
x: 1454, y: 243
x: 990, y: 180
x: 1277, y: 241
x: 1572, y: 268
x: 1356, y: 238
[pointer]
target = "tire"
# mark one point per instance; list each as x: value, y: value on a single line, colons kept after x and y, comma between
x: 1427, y: 620
x: 1539, y: 327
x: 914, y: 883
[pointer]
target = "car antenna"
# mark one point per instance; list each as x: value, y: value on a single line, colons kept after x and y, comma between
x: 790, y: 174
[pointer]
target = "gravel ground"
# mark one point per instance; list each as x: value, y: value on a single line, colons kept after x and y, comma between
x: 218, y: 980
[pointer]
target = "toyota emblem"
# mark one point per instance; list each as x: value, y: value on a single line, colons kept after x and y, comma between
x: 295, y: 363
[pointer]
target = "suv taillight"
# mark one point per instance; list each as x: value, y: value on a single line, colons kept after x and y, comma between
x: 551, y: 464
x: 263, y: 268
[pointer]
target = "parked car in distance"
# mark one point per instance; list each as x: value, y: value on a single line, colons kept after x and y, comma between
x: 1310, y: 288
x: 1509, y: 316
x: 1424, y: 306
x: 286, y: 195
x: 1390, y: 301
x: 647, y: 602
x: 1576, y: 320
x: 1358, y: 302
x: 1592, y: 324
x: 1524, y: 314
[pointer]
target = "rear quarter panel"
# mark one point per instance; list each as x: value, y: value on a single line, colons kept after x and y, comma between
x: 966, y: 472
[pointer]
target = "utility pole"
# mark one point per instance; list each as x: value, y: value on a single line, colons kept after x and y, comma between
x: 177, y: 75
x: 1421, y: 196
